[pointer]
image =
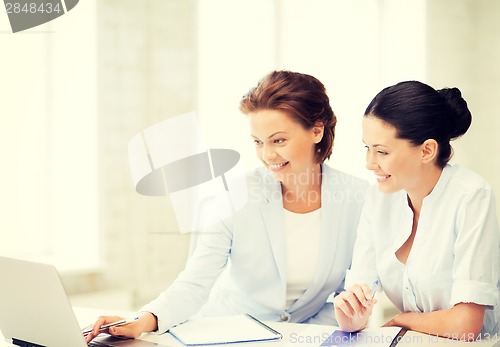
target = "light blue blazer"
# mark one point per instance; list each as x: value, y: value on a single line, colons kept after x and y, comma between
x: 239, y: 265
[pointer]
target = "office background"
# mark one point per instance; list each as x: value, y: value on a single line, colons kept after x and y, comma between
x: 76, y: 90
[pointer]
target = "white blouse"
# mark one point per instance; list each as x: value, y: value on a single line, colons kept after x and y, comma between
x: 302, y: 235
x: 455, y: 254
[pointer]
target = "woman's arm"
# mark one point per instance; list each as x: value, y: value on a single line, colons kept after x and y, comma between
x: 461, y: 322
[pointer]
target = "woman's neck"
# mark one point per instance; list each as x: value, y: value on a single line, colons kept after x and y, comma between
x: 424, y: 187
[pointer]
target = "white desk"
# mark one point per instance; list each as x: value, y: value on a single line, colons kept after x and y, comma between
x: 293, y: 335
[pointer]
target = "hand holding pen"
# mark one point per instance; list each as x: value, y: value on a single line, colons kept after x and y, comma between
x: 107, y: 324
x: 105, y: 327
x: 124, y: 327
x: 354, y: 306
x: 373, y: 290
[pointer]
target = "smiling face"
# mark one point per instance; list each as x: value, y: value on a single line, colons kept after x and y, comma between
x: 397, y: 163
x: 283, y: 145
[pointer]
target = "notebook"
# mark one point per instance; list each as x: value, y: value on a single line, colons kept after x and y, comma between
x: 206, y: 331
x: 35, y: 310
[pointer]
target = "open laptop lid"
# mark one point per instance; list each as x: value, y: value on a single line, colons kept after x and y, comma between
x: 34, y: 306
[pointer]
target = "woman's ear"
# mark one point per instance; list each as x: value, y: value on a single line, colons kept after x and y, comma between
x: 318, y: 130
x: 429, y: 150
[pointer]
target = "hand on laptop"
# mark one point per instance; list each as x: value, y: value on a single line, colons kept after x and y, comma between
x: 146, y: 322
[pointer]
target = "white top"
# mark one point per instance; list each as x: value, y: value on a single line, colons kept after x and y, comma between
x: 455, y: 254
x: 302, y: 234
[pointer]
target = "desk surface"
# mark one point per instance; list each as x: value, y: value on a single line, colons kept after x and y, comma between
x: 293, y: 335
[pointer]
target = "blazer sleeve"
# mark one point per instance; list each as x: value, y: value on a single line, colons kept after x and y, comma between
x: 191, y: 288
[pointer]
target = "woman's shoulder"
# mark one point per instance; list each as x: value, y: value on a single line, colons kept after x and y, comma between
x: 465, y: 180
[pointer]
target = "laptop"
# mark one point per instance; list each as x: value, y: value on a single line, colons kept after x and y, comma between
x: 36, y: 312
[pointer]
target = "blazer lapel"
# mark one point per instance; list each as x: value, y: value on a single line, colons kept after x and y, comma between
x: 273, y: 218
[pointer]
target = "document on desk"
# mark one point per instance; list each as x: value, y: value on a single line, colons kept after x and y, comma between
x: 206, y: 331
x: 384, y: 336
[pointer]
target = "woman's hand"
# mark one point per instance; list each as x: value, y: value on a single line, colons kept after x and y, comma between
x: 353, y: 307
x: 147, y: 322
x: 392, y: 322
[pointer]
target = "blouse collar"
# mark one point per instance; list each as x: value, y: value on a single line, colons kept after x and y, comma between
x: 444, y: 178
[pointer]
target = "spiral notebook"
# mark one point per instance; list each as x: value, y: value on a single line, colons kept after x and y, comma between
x: 207, y: 331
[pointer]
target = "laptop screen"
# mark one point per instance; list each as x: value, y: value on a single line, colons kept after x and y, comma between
x: 34, y: 306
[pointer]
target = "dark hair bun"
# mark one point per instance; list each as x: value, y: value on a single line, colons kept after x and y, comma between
x: 460, y: 117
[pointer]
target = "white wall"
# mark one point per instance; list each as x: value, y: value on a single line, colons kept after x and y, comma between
x: 463, y: 52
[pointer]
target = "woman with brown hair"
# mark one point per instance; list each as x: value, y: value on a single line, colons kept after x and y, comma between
x: 287, y: 250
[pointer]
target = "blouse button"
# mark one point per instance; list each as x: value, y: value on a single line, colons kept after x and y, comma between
x: 284, y: 317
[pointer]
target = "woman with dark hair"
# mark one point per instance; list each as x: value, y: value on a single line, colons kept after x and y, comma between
x: 272, y: 259
x: 429, y: 236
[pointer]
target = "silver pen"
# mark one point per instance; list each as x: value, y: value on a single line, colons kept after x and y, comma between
x: 106, y: 326
x: 373, y: 290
